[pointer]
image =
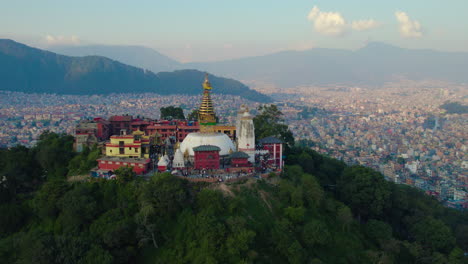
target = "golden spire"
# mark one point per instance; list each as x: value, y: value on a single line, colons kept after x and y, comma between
x: 206, y: 83
x: 206, y: 114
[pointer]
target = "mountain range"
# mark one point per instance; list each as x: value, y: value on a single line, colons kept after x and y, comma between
x: 372, y: 65
x: 137, y: 56
x: 27, y: 69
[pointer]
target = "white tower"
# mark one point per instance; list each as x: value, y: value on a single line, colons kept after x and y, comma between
x: 240, y: 113
x: 246, y: 135
x: 178, y: 161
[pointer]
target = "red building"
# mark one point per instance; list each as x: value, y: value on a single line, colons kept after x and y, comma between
x: 240, y: 159
x: 275, y: 151
x: 140, y: 165
x: 177, y: 128
x: 120, y: 122
x: 99, y: 127
x: 206, y: 157
x: 141, y: 125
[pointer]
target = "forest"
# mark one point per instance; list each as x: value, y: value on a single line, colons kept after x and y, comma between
x: 319, y: 210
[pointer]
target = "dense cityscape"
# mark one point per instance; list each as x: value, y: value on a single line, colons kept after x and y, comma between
x: 264, y: 132
x: 399, y: 129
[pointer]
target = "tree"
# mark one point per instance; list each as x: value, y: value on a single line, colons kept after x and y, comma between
x: 193, y: 116
x: 378, y: 231
x: 125, y: 174
x: 45, y: 202
x: 160, y: 201
x: 365, y: 190
x: 270, y: 123
x: 344, y: 216
x: 434, y: 234
x: 316, y: 233
x: 97, y: 255
x: 313, y: 192
x: 172, y: 112
x: 19, y: 172
x: 54, y: 152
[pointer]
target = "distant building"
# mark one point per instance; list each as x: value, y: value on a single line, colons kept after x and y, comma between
x: 119, y: 123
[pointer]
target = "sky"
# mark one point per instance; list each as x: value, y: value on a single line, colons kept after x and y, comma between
x: 210, y: 30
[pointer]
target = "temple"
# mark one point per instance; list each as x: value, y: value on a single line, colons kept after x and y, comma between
x: 195, y: 150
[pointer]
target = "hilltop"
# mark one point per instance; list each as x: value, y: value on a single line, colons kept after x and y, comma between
x: 31, y: 70
x: 318, y: 211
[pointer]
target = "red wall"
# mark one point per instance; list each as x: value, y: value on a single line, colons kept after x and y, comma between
x: 206, y: 160
x: 271, y: 150
x: 242, y: 162
x: 104, y: 165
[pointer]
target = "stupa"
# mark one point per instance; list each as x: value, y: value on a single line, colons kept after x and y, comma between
x: 207, y: 134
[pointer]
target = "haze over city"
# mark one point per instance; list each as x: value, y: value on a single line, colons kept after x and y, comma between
x: 217, y: 30
x: 262, y: 131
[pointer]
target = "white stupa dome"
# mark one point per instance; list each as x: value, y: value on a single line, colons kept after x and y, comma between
x: 216, y: 139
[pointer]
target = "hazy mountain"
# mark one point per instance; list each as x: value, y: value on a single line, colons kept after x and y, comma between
x: 27, y: 69
x: 372, y: 65
x: 137, y: 56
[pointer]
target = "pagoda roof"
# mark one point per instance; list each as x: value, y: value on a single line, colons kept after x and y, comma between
x: 207, y: 148
x: 239, y: 155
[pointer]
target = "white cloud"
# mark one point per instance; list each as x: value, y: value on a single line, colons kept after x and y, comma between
x: 408, y: 28
x: 361, y: 25
x: 327, y: 23
x: 62, y: 40
x: 334, y: 24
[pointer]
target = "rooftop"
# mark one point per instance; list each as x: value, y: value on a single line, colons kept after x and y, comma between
x: 239, y: 155
x: 206, y: 148
x: 270, y: 140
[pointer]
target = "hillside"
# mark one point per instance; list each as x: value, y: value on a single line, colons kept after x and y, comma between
x: 137, y: 56
x: 371, y: 65
x: 31, y: 70
x: 374, y: 64
x: 318, y: 211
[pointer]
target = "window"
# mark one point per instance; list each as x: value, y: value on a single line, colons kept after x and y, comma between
x: 136, y: 150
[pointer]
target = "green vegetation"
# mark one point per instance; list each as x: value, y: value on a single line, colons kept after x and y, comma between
x: 455, y: 108
x: 31, y: 70
x: 318, y: 211
x: 269, y: 122
x: 84, y: 161
x: 172, y: 112
x: 193, y: 116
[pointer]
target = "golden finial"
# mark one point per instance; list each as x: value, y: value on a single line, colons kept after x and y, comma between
x: 206, y: 83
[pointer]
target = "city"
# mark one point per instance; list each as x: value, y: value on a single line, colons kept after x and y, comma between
x: 399, y: 129
x: 207, y: 132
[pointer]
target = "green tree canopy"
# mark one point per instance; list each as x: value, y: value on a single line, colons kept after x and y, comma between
x: 270, y: 122
x: 172, y: 112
